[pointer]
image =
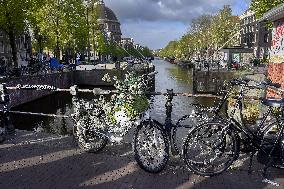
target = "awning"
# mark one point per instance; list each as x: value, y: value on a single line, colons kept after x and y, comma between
x: 274, y: 14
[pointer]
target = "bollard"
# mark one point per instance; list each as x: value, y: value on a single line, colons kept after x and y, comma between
x: 5, y: 100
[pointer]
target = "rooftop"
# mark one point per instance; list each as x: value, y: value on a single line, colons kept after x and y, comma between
x: 274, y: 14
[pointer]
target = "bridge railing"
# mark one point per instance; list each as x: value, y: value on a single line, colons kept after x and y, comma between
x: 73, y: 90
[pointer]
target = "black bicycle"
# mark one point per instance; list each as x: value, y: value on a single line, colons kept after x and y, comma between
x: 211, y: 147
x: 153, y: 141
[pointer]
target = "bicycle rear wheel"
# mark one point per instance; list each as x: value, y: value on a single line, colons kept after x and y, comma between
x: 151, y: 147
x: 209, y: 149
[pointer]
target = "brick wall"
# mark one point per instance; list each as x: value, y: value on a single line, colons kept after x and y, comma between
x: 276, y: 74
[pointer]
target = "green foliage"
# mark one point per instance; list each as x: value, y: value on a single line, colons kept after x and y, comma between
x: 15, y: 16
x: 262, y: 6
x: 130, y: 97
x: 207, y: 34
x: 102, y: 44
x: 63, y: 23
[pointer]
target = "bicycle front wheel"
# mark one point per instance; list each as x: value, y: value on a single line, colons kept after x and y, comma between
x: 151, y: 147
x: 209, y: 149
x: 89, y: 140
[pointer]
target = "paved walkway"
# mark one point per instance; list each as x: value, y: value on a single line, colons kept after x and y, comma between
x: 39, y: 161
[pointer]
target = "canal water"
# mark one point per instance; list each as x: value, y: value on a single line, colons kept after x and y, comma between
x: 169, y: 77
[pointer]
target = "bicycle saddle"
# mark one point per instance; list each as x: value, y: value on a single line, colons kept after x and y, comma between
x: 273, y: 102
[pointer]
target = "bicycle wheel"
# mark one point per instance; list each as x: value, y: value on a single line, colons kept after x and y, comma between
x: 151, y: 147
x: 88, y: 139
x: 209, y: 149
x: 269, y: 145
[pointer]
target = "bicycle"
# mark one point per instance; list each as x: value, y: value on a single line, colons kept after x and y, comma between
x: 210, y: 148
x: 153, y: 140
x: 91, y: 130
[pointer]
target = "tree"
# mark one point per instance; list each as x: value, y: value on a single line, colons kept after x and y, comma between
x: 102, y: 44
x: 262, y: 6
x: 15, y: 16
x: 207, y: 34
x: 63, y: 23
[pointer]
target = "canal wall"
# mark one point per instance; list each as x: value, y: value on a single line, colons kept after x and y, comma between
x: 94, y: 77
x: 212, y: 81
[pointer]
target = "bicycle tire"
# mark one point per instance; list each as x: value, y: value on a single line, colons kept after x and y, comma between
x: 268, y: 139
x: 156, y: 147
x: 90, y: 141
x: 195, y: 165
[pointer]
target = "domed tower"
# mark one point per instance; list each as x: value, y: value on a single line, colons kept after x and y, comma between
x: 108, y: 22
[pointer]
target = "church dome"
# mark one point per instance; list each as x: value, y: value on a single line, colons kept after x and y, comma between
x: 106, y: 13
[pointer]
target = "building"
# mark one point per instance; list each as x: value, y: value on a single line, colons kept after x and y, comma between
x: 24, y: 49
x: 110, y: 28
x: 276, y: 62
x: 254, y: 35
x: 108, y: 22
x: 127, y: 41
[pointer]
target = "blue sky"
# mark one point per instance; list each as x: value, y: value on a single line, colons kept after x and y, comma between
x: 156, y: 22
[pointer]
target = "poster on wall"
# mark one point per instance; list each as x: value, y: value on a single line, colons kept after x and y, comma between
x: 236, y: 58
x: 277, y: 43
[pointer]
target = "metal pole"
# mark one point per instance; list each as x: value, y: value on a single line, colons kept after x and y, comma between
x: 169, y: 107
x: 8, y: 126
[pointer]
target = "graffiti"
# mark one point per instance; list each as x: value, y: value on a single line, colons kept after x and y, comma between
x: 277, y: 44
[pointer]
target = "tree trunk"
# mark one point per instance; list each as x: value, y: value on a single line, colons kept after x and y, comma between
x: 13, y: 45
x: 57, y: 50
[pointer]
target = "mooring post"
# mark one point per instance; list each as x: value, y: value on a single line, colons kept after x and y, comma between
x: 5, y: 100
x: 74, y: 92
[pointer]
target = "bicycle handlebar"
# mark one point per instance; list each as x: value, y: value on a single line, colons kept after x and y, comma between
x: 259, y: 85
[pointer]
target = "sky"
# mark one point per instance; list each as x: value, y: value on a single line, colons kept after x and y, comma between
x: 154, y: 23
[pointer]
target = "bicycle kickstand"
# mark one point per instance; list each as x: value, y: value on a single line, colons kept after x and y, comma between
x: 250, y: 162
x: 264, y: 173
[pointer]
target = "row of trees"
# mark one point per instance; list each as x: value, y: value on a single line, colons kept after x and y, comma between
x: 57, y: 25
x: 207, y: 34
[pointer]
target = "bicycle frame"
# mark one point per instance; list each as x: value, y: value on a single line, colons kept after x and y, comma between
x: 171, y: 128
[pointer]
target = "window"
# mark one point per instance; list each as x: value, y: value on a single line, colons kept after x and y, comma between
x: 266, y: 38
x: 113, y: 27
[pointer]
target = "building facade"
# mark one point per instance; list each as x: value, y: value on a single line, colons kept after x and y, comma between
x: 255, y: 35
x: 24, y: 49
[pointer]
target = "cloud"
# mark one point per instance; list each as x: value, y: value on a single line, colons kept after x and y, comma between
x: 153, y: 34
x: 161, y: 10
x: 156, y: 22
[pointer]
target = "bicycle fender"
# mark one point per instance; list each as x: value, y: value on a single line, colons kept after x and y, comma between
x: 153, y: 122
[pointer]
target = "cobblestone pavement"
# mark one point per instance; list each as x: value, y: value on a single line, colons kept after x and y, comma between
x: 39, y: 161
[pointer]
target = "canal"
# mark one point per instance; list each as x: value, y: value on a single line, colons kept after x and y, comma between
x: 169, y: 77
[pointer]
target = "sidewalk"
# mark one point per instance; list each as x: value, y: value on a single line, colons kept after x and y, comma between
x: 40, y: 161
